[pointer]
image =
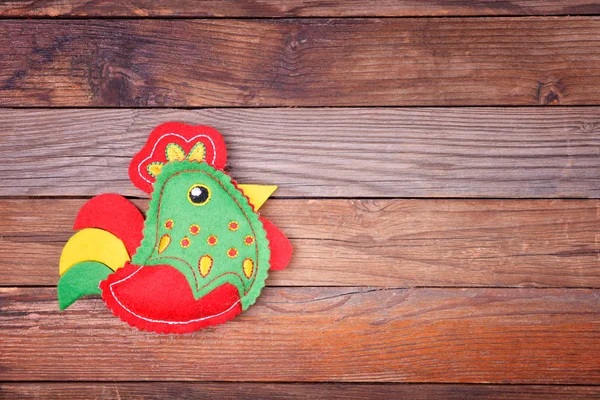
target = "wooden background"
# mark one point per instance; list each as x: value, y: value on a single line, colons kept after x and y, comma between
x: 439, y: 172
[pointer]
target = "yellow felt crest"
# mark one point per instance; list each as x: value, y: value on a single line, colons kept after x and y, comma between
x: 197, y: 153
x: 175, y: 152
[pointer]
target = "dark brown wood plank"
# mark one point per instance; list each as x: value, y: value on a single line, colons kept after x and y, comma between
x: 541, y: 336
x: 398, y: 152
x: 384, y: 243
x: 276, y: 391
x: 301, y: 62
x: 293, y: 8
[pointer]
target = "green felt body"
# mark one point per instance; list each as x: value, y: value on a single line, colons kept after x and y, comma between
x: 80, y: 280
x: 227, y: 203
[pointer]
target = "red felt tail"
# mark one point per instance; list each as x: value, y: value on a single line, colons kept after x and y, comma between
x: 281, y: 248
x: 115, y: 214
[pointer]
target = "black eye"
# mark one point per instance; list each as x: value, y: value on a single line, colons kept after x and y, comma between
x: 199, y: 195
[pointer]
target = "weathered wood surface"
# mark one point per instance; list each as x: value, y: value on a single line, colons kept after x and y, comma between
x: 401, y: 243
x: 542, y: 336
x: 301, y: 62
x: 293, y: 8
x: 482, y: 298
x: 404, y: 152
x: 281, y: 391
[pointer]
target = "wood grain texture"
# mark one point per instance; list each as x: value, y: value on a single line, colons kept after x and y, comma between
x: 301, y: 62
x: 401, y: 243
x: 293, y: 8
x: 282, y: 391
x: 397, y: 152
x: 541, y: 336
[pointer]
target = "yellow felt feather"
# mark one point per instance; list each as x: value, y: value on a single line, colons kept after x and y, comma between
x: 93, y: 244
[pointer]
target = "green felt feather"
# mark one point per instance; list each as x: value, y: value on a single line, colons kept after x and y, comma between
x: 171, y: 213
x: 81, y: 279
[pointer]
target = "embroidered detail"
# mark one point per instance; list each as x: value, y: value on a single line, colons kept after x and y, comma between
x: 215, y: 155
x: 232, y: 253
x: 213, y: 241
x: 174, y: 152
x: 248, y: 240
x: 154, y: 168
x: 205, y: 264
x: 194, y: 229
x: 248, y: 267
x: 185, y: 242
x: 197, y: 152
x: 163, y: 243
x: 199, y: 194
x: 173, y: 272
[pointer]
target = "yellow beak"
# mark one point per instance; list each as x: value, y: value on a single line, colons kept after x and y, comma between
x: 258, y: 194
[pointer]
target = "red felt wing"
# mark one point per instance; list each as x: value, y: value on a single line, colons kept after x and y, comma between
x: 159, y: 299
x: 115, y: 214
x: 281, y: 248
x: 183, y: 135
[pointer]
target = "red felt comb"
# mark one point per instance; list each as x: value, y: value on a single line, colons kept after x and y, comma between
x: 176, y: 141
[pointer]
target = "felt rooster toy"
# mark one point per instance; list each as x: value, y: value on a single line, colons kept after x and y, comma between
x: 203, y: 253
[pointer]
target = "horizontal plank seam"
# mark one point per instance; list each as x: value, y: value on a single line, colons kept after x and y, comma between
x: 371, y: 287
x: 292, y: 198
x: 308, y: 383
x: 332, y: 383
x: 319, y: 17
x: 382, y: 106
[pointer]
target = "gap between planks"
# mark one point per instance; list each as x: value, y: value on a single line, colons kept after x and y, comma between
x: 281, y: 391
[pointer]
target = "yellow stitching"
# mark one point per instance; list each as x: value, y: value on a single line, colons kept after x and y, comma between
x: 232, y: 253
x: 199, y: 185
x: 194, y: 229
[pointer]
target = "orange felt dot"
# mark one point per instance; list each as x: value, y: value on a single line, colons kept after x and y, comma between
x: 194, y: 229
x: 233, y: 226
x: 185, y: 242
x: 169, y: 224
x: 232, y: 253
x: 248, y: 240
x: 211, y: 240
